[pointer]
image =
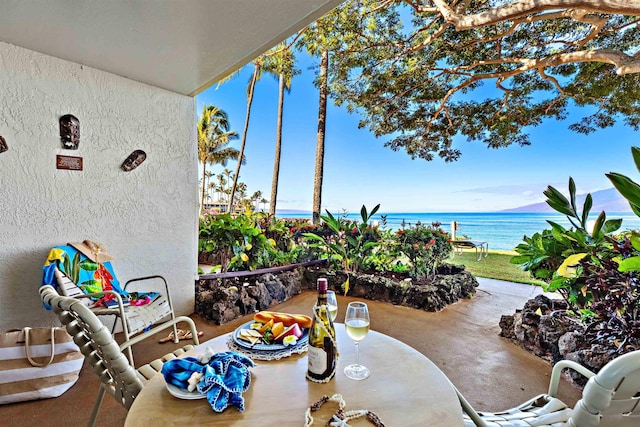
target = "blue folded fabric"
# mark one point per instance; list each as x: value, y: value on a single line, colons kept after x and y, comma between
x: 178, y: 371
x: 225, y: 377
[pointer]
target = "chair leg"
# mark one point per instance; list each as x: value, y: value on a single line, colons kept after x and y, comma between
x: 96, y: 407
x: 176, y: 339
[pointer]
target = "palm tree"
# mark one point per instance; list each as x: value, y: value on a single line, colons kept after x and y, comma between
x: 255, y: 198
x: 322, y: 120
x: 280, y: 62
x: 257, y: 73
x: 241, y: 195
x: 211, y: 189
x: 208, y: 175
x: 319, y: 39
x: 222, y: 184
x: 213, y: 138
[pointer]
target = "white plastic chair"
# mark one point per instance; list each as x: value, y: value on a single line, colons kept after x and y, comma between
x: 117, y: 375
x: 611, y: 398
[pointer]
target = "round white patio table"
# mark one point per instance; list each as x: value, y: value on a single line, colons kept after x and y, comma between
x: 404, y: 389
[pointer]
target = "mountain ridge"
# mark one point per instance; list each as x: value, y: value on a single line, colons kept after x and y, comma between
x: 608, y: 200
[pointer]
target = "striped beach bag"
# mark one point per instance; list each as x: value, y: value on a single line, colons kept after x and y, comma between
x: 37, y: 363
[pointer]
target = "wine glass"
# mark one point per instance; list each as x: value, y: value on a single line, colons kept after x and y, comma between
x: 357, y: 325
x: 332, y: 305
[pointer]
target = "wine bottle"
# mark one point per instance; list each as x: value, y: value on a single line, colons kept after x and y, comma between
x: 322, y: 350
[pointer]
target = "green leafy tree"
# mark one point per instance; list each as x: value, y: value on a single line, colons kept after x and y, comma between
x: 426, y: 71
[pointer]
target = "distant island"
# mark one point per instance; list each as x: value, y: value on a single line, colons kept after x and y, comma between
x: 608, y: 200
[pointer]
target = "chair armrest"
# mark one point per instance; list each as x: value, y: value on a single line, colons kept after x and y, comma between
x: 166, y: 287
x: 140, y: 279
x: 99, y: 295
x: 556, y: 373
x: 166, y: 325
x: 116, y: 296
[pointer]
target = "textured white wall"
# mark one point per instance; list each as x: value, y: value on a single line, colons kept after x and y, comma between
x: 147, y: 218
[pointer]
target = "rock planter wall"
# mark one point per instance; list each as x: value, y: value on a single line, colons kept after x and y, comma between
x: 449, y: 285
x: 222, y: 300
x: 543, y: 328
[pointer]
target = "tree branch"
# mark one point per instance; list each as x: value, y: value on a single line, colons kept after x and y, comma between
x: 625, y: 64
x: 522, y: 8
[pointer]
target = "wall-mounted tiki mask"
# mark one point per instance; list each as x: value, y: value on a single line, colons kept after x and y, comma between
x: 70, y: 131
x: 134, y: 160
x: 3, y: 145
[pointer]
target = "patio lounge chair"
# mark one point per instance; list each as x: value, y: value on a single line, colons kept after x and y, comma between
x: 611, y: 398
x: 117, y: 375
x: 458, y: 245
x: 103, y: 295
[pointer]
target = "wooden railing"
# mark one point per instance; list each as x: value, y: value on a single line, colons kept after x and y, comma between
x: 230, y: 274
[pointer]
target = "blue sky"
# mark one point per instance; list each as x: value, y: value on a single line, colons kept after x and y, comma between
x: 359, y: 170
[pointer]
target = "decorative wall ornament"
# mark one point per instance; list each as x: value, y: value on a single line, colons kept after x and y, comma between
x: 3, y: 145
x: 71, y: 163
x: 134, y: 160
x: 70, y: 131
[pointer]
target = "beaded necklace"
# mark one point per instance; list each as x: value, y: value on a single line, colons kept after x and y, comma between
x: 341, y: 417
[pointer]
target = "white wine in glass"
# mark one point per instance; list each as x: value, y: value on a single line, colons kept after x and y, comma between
x: 332, y: 305
x: 356, y: 322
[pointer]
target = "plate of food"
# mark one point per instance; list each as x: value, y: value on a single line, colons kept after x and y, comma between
x: 269, y: 331
x: 184, y: 394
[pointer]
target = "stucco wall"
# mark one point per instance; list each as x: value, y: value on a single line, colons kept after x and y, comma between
x: 146, y: 217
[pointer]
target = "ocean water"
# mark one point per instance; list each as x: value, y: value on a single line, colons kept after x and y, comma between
x: 502, y: 230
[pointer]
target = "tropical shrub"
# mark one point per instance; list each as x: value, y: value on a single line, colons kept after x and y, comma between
x: 386, y: 255
x: 300, y: 250
x: 589, y: 269
x: 426, y: 247
x: 630, y: 190
x: 540, y: 254
x: 347, y: 243
x: 275, y: 229
x: 239, y: 241
x: 613, y: 312
x: 555, y: 254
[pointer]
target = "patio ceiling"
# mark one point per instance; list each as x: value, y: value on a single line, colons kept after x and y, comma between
x: 183, y: 46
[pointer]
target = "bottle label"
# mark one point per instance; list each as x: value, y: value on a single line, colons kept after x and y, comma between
x: 317, y: 360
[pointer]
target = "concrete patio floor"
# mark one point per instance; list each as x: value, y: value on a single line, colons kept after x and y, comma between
x: 462, y: 340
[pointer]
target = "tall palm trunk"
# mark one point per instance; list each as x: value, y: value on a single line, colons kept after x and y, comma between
x: 204, y: 172
x: 276, y: 162
x: 252, y: 85
x: 322, y: 118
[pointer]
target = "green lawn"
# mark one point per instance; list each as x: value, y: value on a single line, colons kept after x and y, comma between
x: 495, y: 266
